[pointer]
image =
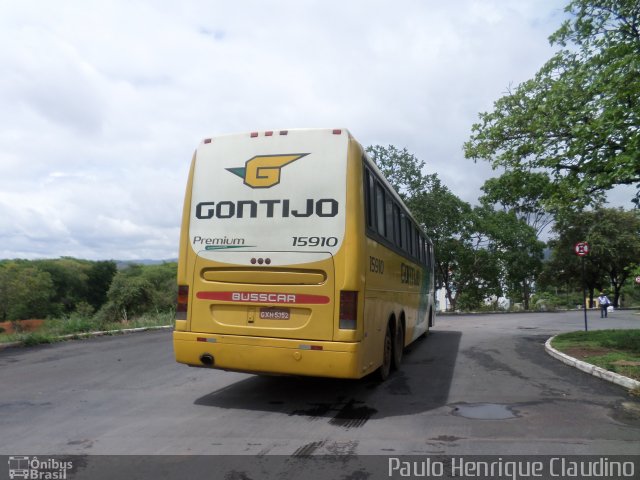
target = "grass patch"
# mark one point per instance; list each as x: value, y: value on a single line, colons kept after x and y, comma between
x: 36, y: 338
x: 614, y: 350
x: 53, y: 329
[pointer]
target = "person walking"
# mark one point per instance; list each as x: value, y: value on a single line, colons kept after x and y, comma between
x: 604, y: 302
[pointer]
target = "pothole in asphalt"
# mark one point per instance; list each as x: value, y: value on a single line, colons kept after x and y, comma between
x: 484, y: 411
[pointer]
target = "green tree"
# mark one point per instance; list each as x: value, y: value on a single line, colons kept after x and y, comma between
x: 495, y: 254
x: 476, y: 271
x: 164, y: 290
x: 129, y: 295
x: 139, y: 289
x: 577, y: 119
x: 614, y: 239
x: 615, y: 245
x: 516, y: 245
x: 403, y: 170
x: 466, y: 270
x: 523, y: 194
x: 69, y: 277
x: 481, y: 253
x: 447, y: 220
x: 25, y: 291
x: 563, y: 271
x: 99, y: 278
x: 630, y: 292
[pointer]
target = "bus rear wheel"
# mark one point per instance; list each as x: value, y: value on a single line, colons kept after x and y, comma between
x: 387, y: 353
x: 398, y: 347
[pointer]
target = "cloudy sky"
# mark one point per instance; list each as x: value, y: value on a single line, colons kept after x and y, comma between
x: 102, y: 103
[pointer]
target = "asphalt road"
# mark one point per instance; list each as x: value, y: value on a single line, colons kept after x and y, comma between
x: 477, y: 385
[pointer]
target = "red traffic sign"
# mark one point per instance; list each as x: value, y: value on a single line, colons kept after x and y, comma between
x: 582, y: 249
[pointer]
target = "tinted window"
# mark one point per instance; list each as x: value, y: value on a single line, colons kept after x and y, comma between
x: 380, y: 213
x: 389, y: 215
x: 403, y: 232
x: 397, y: 238
x: 368, y: 195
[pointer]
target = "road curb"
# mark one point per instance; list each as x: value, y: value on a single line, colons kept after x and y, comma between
x: 591, y: 369
x: 92, y: 334
x: 10, y: 345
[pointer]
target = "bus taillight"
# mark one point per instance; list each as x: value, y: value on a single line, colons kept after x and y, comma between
x: 348, y: 309
x: 183, y: 302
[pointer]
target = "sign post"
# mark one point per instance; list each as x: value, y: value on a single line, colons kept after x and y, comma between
x: 582, y: 250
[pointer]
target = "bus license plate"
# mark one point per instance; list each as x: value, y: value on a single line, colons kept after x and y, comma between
x: 274, y: 313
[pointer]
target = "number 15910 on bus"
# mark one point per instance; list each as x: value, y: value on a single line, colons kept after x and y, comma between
x: 297, y: 257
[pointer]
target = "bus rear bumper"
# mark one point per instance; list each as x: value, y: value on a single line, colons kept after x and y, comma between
x: 268, y: 355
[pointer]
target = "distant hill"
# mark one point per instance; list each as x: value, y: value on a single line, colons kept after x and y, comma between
x: 122, y: 264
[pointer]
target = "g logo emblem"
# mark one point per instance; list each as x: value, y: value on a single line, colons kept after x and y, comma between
x: 263, y: 171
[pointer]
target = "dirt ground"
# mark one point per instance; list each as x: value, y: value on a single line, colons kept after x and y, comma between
x: 24, y: 325
x: 584, y: 352
x: 628, y: 368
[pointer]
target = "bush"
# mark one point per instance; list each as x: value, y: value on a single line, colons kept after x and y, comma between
x: 138, y: 290
x: 547, y: 301
x: 36, y: 338
x: 51, y: 288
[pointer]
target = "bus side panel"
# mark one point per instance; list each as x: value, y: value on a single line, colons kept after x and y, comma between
x: 186, y: 255
x: 387, y: 297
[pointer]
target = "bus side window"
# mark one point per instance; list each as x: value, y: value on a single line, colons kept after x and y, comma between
x: 397, y: 237
x: 409, y: 237
x: 412, y: 238
x: 380, y: 214
x: 368, y: 194
x: 426, y: 253
x: 389, y: 215
x: 413, y: 241
x: 432, y: 257
x: 404, y: 233
x: 425, y: 258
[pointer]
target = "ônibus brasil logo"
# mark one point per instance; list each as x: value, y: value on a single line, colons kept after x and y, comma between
x: 263, y: 171
x: 34, y: 469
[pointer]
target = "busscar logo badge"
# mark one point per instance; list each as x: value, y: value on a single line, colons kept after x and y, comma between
x: 263, y: 171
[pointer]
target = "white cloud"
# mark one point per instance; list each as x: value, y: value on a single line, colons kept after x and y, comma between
x: 104, y: 102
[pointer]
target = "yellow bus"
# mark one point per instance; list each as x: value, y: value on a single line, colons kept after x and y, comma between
x: 297, y: 257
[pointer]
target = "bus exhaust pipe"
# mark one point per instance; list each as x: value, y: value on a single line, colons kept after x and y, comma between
x: 207, y: 359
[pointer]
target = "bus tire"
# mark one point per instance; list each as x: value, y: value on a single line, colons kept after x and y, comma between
x: 387, y: 354
x: 398, y: 346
